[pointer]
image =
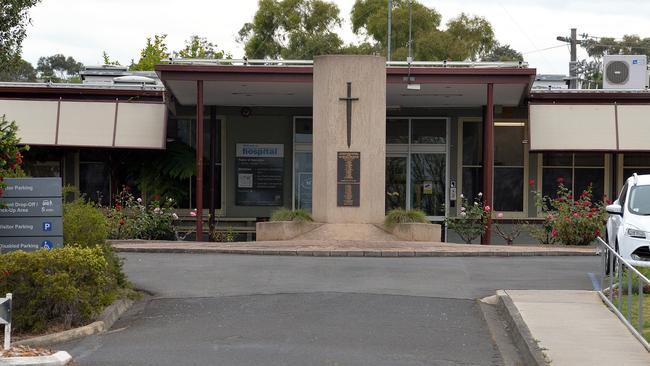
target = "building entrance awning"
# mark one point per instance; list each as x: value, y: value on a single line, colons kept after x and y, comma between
x: 589, y: 121
x: 291, y: 85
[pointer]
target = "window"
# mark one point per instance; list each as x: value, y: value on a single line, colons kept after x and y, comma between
x: 510, y: 159
x: 638, y: 163
x: 302, y: 162
x: 509, y: 166
x: 95, y: 176
x: 472, y: 166
x: 576, y: 171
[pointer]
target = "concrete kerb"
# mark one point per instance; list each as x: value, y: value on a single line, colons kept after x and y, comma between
x: 521, y: 335
x: 105, y: 321
x: 352, y: 252
x: 58, y: 359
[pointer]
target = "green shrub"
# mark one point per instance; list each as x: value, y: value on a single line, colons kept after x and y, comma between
x: 402, y: 216
x: 285, y: 214
x: 84, y: 223
x: 85, y: 226
x: 67, y: 286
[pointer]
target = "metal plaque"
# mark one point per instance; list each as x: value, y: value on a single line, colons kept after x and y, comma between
x: 31, y: 226
x: 35, y: 207
x: 30, y: 243
x: 348, y: 179
x: 5, y: 310
x: 32, y: 187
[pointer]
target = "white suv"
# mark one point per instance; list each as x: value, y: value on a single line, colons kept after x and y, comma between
x: 628, y: 226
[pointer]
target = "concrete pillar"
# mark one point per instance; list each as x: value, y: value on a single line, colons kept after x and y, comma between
x: 367, y: 75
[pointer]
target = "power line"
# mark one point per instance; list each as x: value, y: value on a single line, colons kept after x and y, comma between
x: 544, y: 49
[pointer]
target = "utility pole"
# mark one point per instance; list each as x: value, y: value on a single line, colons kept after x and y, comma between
x: 390, y: 28
x: 573, y: 65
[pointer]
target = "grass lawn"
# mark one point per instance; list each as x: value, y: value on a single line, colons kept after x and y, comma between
x: 635, y: 312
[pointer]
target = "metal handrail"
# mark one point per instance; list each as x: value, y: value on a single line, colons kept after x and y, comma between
x: 615, y: 279
x: 246, y: 62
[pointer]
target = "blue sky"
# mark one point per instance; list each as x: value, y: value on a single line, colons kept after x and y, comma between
x: 83, y: 29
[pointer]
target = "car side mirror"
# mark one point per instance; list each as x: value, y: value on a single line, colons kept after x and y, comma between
x: 614, y: 209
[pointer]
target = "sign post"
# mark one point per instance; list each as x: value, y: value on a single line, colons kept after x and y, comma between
x: 30, y: 214
x: 5, y: 318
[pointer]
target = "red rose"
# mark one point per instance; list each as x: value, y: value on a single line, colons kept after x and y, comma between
x: 560, y: 180
x: 156, y: 197
x: 122, y: 221
x: 554, y: 232
x: 575, y: 214
x: 531, y: 183
x: 597, y: 232
x: 585, y: 193
x: 586, y: 203
x: 590, y: 215
x: 594, y: 209
x: 570, y: 196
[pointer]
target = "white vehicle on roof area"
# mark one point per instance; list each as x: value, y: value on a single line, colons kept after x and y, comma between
x: 628, y: 225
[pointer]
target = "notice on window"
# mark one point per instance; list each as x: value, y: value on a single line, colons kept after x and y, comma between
x: 260, y: 174
x: 427, y: 187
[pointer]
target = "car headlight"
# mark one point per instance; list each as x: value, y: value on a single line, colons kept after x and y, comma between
x: 634, y: 233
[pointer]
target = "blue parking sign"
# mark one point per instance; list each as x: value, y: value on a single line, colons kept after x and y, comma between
x: 47, y: 226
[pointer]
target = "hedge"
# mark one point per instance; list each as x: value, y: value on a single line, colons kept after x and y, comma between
x: 67, y: 286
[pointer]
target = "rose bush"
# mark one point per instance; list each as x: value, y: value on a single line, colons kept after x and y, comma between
x: 569, y: 219
x: 11, y: 158
x: 471, y: 220
x: 132, y: 218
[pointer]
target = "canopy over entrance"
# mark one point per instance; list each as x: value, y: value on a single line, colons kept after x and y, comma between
x: 244, y: 83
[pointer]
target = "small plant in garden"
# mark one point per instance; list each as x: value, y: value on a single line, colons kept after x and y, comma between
x: 544, y: 232
x: 509, y: 236
x: 472, y: 219
x: 402, y: 216
x: 285, y: 214
x: 132, y: 218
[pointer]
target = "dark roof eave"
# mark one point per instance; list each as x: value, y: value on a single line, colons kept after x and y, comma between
x: 81, y: 92
x: 590, y: 97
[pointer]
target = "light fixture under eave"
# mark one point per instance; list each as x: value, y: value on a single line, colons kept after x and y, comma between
x: 413, y: 86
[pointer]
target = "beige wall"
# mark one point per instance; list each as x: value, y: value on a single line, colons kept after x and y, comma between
x: 572, y: 127
x: 36, y: 120
x: 368, y: 77
x: 88, y: 123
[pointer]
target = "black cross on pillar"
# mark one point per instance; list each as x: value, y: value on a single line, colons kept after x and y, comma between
x: 349, y: 101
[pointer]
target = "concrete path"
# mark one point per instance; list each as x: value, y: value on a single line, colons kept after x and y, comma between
x: 576, y: 328
x: 350, y: 248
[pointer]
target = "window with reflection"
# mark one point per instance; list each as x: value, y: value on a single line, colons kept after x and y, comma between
x: 472, y: 165
x: 509, y: 166
x: 576, y: 171
x: 638, y: 163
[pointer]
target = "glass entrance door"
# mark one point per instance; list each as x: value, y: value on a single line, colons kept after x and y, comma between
x: 396, y: 182
x: 416, y: 165
x: 428, y: 183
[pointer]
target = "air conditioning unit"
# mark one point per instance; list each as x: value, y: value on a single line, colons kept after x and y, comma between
x: 625, y: 72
